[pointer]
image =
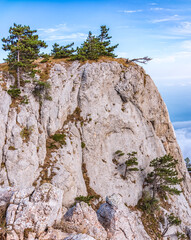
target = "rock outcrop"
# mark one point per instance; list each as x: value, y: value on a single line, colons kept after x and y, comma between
x: 54, y: 149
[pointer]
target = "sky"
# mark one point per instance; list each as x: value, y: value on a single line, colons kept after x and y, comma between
x: 159, y: 29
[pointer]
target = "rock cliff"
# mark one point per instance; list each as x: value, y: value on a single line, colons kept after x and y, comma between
x: 58, y: 148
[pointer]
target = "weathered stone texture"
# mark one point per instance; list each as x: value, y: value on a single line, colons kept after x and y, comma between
x: 100, y: 108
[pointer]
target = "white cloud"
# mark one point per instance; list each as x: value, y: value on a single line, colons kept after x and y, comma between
x: 167, y: 37
x: 183, y: 134
x: 183, y: 28
x: 186, y: 45
x: 60, y: 27
x: 183, y: 124
x: 166, y: 59
x: 72, y: 36
x: 153, y: 4
x: 161, y: 9
x: 167, y: 19
x: 171, y: 70
x: 156, y: 9
x: 61, y: 32
x: 132, y: 11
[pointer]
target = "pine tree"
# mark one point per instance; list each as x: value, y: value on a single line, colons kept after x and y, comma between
x: 24, y: 47
x: 45, y: 56
x: 171, y: 220
x: 62, y: 51
x: 188, y: 164
x: 130, y: 163
x: 104, y: 36
x: 164, y: 176
x: 90, y: 49
x: 105, y: 41
x: 95, y: 46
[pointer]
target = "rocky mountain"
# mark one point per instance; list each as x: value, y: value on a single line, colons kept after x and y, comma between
x: 59, y: 176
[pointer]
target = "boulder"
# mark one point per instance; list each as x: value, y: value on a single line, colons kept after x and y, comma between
x: 35, y: 211
x: 83, y: 219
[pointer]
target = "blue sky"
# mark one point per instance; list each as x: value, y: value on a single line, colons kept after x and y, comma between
x: 159, y: 29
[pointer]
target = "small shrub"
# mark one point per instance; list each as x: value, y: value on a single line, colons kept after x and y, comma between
x: 85, y: 199
x: 44, y: 60
x: 25, y: 133
x: 130, y: 163
x: 83, y: 144
x: 51, y: 146
x: 3, y: 210
x: 12, y: 148
x: 45, y: 57
x: 59, y: 137
x: 14, y: 92
x: 181, y: 236
x: 27, y: 81
x: 119, y: 153
x: 48, y: 97
x: 115, y: 161
x: 172, y: 220
x: 41, y: 90
x: 25, y: 100
x: 147, y: 203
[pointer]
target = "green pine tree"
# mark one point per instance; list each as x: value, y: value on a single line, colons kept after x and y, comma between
x: 23, y: 46
x: 89, y: 50
x: 130, y: 163
x: 104, y: 39
x: 95, y: 46
x: 45, y: 56
x: 62, y: 51
x: 188, y: 164
x: 164, y: 176
x: 172, y: 220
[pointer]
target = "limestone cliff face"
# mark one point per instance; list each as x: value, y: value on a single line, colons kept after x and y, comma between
x: 96, y: 109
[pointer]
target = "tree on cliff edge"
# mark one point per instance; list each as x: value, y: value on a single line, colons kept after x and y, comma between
x: 63, y: 51
x: 95, y: 46
x: 24, y: 47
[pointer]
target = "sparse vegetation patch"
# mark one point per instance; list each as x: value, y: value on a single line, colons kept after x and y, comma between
x: 25, y: 133
x: 14, y: 92
x: 86, y: 199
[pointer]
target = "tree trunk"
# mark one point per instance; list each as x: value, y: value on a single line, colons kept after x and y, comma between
x: 165, y: 230
x: 18, y: 69
x: 154, y: 188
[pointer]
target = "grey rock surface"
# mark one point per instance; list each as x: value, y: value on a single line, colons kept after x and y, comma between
x: 80, y: 237
x: 34, y: 209
x: 119, y: 221
x: 83, y: 219
x: 98, y: 108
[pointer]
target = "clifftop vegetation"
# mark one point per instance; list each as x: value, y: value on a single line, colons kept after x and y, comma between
x: 23, y: 46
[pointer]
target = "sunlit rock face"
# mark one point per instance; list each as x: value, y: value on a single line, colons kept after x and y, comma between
x: 54, y: 150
